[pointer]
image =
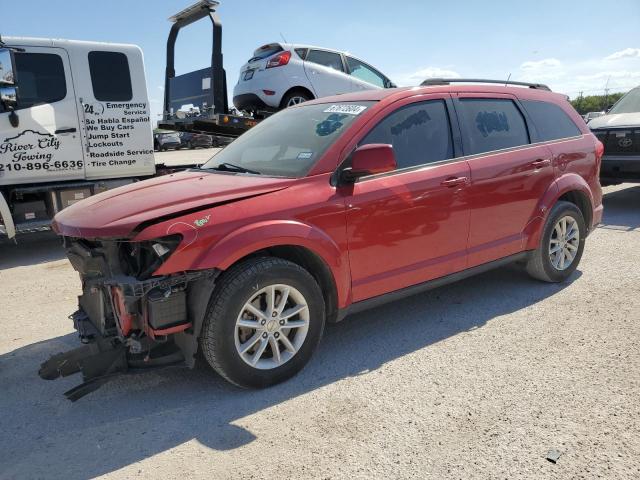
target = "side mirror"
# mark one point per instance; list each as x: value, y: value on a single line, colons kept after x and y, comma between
x: 9, y: 97
x: 7, y: 68
x: 370, y: 160
x: 8, y: 88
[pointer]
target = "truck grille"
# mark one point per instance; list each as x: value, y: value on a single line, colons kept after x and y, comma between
x: 621, y: 141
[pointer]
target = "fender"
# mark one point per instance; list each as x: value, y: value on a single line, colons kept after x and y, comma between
x: 252, y: 238
x: 566, y: 183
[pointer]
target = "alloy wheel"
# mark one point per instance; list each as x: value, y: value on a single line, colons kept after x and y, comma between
x: 296, y: 101
x: 564, y: 243
x: 272, y: 326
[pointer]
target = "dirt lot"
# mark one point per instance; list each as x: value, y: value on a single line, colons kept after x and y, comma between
x: 475, y: 380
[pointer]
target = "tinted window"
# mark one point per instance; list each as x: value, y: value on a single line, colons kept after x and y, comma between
x: 550, y: 120
x: 420, y: 133
x: 40, y: 78
x: 110, y: 76
x: 328, y: 59
x: 365, y: 72
x: 302, y: 52
x: 492, y: 124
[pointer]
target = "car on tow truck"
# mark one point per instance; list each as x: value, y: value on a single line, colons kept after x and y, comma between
x: 322, y: 210
x: 280, y: 75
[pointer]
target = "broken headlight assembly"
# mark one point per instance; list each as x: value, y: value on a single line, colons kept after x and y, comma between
x: 141, y: 259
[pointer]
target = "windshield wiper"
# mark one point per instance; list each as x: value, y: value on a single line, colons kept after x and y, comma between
x: 230, y: 167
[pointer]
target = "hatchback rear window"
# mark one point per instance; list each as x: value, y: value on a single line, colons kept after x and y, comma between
x: 492, y: 124
x: 550, y: 120
x: 266, y: 51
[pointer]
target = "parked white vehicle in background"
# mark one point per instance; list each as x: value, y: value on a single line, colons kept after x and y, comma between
x: 280, y: 75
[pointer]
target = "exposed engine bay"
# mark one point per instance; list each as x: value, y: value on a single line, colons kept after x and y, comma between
x: 127, y: 319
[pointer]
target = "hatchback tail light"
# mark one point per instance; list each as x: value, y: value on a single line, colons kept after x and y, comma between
x: 279, y: 60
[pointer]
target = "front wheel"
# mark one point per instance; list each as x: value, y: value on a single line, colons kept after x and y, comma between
x: 561, y: 245
x: 264, y: 322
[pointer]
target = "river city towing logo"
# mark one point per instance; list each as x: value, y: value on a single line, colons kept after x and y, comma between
x: 30, y: 145
x: 201, y: 222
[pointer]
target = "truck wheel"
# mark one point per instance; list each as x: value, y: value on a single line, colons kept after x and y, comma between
x: 561, y: 245
x: 264, y: 322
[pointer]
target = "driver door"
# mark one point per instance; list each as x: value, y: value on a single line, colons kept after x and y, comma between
x: 410, y: 225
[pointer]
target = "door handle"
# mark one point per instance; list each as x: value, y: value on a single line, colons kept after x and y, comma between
x: 62, y: 131
x: 541, y: 163
x: 454, y: 182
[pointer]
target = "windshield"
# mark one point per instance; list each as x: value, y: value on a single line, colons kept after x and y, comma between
x: 289, y: 143
x: 630, y: 103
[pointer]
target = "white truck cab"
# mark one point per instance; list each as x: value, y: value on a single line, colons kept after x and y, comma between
x: 74, y: 121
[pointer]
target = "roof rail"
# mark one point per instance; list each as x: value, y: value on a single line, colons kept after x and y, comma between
x: 446, y: 81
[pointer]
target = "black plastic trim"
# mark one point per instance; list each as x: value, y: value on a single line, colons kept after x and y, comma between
x: 430, y: 285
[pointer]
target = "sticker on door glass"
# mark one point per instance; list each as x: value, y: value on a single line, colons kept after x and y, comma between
x: 348, y: 109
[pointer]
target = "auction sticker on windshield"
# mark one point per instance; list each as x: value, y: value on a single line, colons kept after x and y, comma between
x: 348, y: 109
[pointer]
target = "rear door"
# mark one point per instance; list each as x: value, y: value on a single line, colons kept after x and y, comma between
x: 115, y: 113
x: 509, y: 174
x: 326, y: 73
x: 46, y: 143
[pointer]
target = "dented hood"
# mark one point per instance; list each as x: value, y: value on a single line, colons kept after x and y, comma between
x: 116, y: 213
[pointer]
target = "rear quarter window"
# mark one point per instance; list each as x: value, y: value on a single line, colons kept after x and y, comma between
x: 110, y: 76
x: 551, y: 121
x: 491, y: 124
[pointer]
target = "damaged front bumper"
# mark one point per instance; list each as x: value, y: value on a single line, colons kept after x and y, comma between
x: 129, y: 325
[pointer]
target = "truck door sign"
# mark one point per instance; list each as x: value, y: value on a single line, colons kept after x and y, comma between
x: 31, y: 150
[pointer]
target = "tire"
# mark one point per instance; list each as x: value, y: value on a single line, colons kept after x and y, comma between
x: 541, y: 262
x: 222, y: 339
x: 295, y: 98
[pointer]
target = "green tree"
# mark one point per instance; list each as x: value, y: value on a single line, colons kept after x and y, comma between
x: 595, y: 103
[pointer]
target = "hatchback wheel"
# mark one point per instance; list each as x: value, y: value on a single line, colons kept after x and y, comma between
x: 265, y: 320
x: 561, y: 245
x: 295, y: 98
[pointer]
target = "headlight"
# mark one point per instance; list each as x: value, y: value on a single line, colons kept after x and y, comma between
x: 141, y: 259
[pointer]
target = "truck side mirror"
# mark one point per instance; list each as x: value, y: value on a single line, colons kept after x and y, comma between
x: 8, y: 87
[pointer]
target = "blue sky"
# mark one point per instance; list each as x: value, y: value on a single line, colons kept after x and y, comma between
x: 571, y: 45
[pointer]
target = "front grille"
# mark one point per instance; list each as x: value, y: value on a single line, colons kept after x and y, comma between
x: 620, y: 141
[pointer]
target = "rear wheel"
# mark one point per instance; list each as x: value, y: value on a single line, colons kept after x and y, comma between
x: 296, y: 98
x: 264, y: 322
x: 561, y: 246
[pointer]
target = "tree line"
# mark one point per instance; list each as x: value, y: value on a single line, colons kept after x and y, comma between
x: 595, y: 103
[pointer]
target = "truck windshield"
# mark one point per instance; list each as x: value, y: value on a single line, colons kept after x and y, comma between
x: 288, y: 143
x: 630, y: 103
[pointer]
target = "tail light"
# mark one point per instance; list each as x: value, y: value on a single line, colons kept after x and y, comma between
x: 279, y: 60
x: 599, y: 149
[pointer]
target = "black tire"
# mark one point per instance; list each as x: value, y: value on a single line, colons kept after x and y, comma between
x: 230, y: 295
x: 539, y: 265
x: 295, y: 94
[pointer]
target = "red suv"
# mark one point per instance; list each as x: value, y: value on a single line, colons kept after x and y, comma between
x: 322, y: 210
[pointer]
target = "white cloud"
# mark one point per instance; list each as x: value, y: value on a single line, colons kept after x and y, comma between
x: 408, y: 79
x: 626, y: 53
x: 541, y: 64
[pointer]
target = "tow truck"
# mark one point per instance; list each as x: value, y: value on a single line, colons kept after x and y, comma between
x: 75, y: 118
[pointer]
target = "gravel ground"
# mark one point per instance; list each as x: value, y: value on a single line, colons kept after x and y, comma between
x: 475, y: 380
